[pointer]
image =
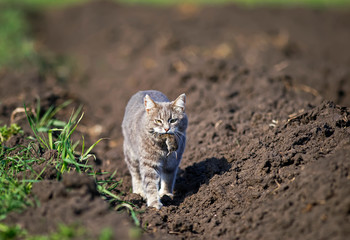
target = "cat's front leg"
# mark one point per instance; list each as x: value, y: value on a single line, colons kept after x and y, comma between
x: 150, y: 182
x: 167, y: 184
x: 137, y: 185
x: 168, y: 175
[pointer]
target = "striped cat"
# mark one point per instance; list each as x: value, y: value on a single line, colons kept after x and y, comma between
x: 154, y: 132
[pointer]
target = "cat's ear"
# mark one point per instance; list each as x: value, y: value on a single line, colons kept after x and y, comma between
x: 149, y: 103
x: 179, y: 102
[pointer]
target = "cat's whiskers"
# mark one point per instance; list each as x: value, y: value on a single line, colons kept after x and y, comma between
x: 154, y: 133
x: 180, y: 133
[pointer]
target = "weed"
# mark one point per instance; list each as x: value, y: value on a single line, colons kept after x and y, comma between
x: 14, y: 191
x: 131, y: 210
x: 63, y: 232
x: 47, y: 121
x: 50, y: 134
x: 11, y: 232
x: 106, y: 234
x: 7, y: 132
x: 106, y: 188
x: 67, y: 155
x: 14, y: 195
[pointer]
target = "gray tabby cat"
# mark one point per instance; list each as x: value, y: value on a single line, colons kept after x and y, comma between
x: 154, y: 132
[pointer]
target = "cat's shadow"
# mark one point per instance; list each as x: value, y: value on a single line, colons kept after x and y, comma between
x: 192, y: 177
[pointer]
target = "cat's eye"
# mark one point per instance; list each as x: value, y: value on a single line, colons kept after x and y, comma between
x: 158, y: 121
x: 173, y: 120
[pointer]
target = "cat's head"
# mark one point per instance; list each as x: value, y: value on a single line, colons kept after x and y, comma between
x: 166, y: 117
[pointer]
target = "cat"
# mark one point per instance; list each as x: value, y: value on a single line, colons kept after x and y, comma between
x: 154, y: 131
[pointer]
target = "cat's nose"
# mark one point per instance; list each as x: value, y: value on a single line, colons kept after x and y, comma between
x: 166, y: 129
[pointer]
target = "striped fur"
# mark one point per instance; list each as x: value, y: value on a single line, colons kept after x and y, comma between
x: 154, y: 130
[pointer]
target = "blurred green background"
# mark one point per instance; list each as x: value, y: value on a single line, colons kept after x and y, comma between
x: 17, y: 45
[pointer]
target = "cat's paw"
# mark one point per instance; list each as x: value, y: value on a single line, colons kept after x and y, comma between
x: 156, y: 204
x: 140, y: 192
x: 163, y: 193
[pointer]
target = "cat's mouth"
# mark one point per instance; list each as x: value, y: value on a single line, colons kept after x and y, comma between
x: 156, y: 133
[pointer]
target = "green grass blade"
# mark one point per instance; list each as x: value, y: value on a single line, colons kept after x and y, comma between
x: 106, y: 192
x: 34, y: 129
x: 86, y: 154
x: 50, y: 139
x: 131, y: 210
x: 75, y: 126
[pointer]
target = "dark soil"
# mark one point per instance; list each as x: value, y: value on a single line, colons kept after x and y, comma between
x: 268, y: 97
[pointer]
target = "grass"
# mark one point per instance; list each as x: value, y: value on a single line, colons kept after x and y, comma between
x: 7, y: 132
x: 16, y: 163
x: 67, y: 156
x: 11, y: 232
x: 106, y: 187
x: 44, y: 122
x: 13, y: 191
x: 63, y: 232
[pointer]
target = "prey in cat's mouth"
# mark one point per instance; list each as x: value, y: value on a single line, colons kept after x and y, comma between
x: 169, y: 139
